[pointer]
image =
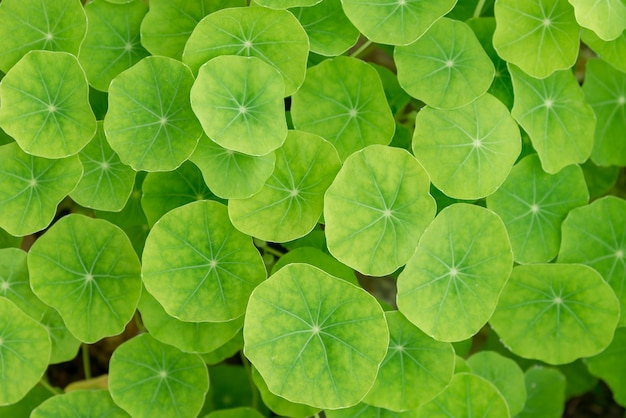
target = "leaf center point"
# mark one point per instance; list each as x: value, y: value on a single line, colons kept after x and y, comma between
x: 88, y: 277
x: 49, y: 36
x: 32, y: 182
x: 316, y: 329
x: 548, y: 103
x: 621, y: 100
x: 353, y: 113
x: 128, y: 47
x: 450, y: 63
x: 163, y: 374
x: 294, y: 193
x: 52, y: 108
x: 546, y: 22
x: 619, y: 253
x: 454, y: 272
x: 557, y: 300
x: 5, y: 286
x: 163, y: 120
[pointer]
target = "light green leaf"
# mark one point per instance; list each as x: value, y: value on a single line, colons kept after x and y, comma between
x: 605, y: 90
x: 112, y: 42
x: 45, y: 105
x: 315, y: 339
x: 396, y: 22
x: 8, y: 241
x: 231, y: 174
x: 450, y: 287
x: 539, y: 36
x: 147, y: 377
x: 595, y: 235
x: 32, y: 187
x: 15, y: 285
x: 53, y: 25
x: 607, y: 18
x: 241, y: 412
x: 450, y: 57
x: 610, y: 51
x: 291, y: 201
x: 86, y: 269
x: 364, y: 410
x: 275, y: 36
x: 80, y: 403
x: 106, y: 183
x: 546, y: 393
x: 198, y: 266
x: 609, y: 366
x: 229, y: 349
x: 415, y: 369
x: 284, y: 4
x: 556, y: 313
x: 468, y: 152
x: 64, y: 345
x: 150, y: 123
x: 24, y: 407
x: 278, y: 405
x: 533, y: 203
x: 24, y: 352
x: 241, y: 108
x: 554, y: 113
x: 319, y: 259
x: 376, y: 209
x: 343, y: 101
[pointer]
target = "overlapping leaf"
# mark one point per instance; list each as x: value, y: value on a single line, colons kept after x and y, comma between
x: 607, y: 18
x: 82, y: 403
x: 610, y: 51
x: 609, y: 366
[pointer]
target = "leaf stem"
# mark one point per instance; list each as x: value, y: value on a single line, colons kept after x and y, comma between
x: 49, y: 387
x: 273, y: 251
x: 255, y: 392
x: 479, y: 8
x: 86, y: 364
x: 362, y: 48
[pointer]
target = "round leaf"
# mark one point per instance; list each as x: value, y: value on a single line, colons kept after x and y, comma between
x: 609, y: 366
x: 15, y: 285
x: 278, y: 405
x: 610, y: 51
x: 607, y: 18
x: 86, y: 269
x: 80, y: 403
x: 284, y: 4
x: 546, y: 393
x: 241, y: 412
x: 315, y: 339
x: 319, y: 259
x: 376, y: 209
x: 64, y: 345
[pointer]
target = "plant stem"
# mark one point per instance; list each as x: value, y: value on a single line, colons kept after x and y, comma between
x: 273, y: 251
x: 255, y: 392
x: 86, y: 364
x: 51, y: 389
x: 361, y: 49
x: 479, y: 8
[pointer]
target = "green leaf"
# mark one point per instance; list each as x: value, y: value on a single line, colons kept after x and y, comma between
x: 546, y: 393
x: 231, y: 174
x: 595, y: 235
x: 24, y: 407
x: 468, y: 152
x: 168, y: 24
x: 24, y: 352
x: 450, y: 287
x: 450, y: 57
x: 241, y: 412
x: 343, y: 101
x: 291, y: 201
x: 315, y: 339
x: 229, y: 349
x: 86, y: 269
x: 106, y: 183
x: 607, y: 18
x: 54, y: 25
x: 275, y: 36
x: 376, y: 209
x: 609, y: 366
x: 284, y: 4
x: 397, y: 22
x: 533, y: 203
x: 556, y: 313
x: 364, y: 410
x: 150, y: 123
x: 605, y: 90
x: 80, y: 403
x: 32, y: 187
x: 198, y: 266
x: 468, y: 395
x: 610, y: 51
x: 112, y: 42
x: 540, y: 36
x: 425, y: 367
x: 242, y: 108
x: 328, y: 28
x: 45, y: 105
x: 147, y: 377
x: 8, y: 241
x: 64, y: 345
x: 278, y: 405
x: 15, y: 284
x: 319, y: 259
x: 554, y: 113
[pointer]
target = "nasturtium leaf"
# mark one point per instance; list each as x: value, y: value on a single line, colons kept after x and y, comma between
x: 65, y: 346
x: 595, y: 235
x: 190, y: 337
x: 15, y: 285
x: 461, y: 365
x: 239, y: 102
x: 148, y: 378
x: 468, y: 152
x: 278, y: 405
x: 230, y: 174
x: 319, y: 259
x: 231, y: 388
x: 395, y: 22
x: 291, y: 201
x: 545, y: 388
x: 163, y: 192
x: 450, y: 287
x: 55, y: 25
x: 315, y: 339
x: 610, y: 51
x: 229, y: 349
x: 556, y: 313
x: 24, y: 352
x: 610, y: 367
x: 240, y: 412
x: 395, y: 94
x: 275, y: 36
x: 150, y: 123
x: 504, y: 374
x: 32, y: 187
x: 556, y: 116
x: 25, y: 406
x: 45, y: 105
x: 364, y: 410
x: 284, y: 4
x: 415, y: 369
x: 468, y: 395
x: 579, y: 380
x: 328, y: 28
x: 168, y: 24
x: 450, y: 57
x: 533, y: 203
x: 112, y: 41
x: 106, y: 183
x: 376, y: 209
x: 198, y: 266
x: 86, y: 269
x: 8, y: 241
x: 607, y: 18
x: 539, y: 36
x: 80, y: 403
x: 342, y: 100
x: 605, y: 90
